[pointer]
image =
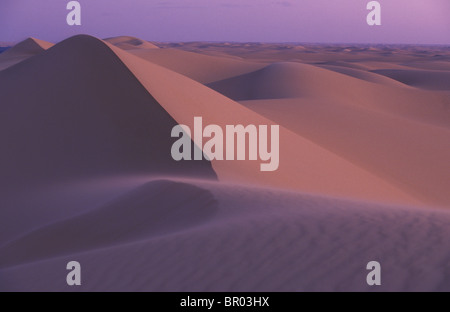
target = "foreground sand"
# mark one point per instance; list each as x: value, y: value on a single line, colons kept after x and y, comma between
x: 87, y: 173
x: 178, y: 235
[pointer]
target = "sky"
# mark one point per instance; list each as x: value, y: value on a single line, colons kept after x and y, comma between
x: 316, y: 21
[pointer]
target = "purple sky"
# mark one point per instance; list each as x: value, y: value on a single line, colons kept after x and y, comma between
x: 404, y: 21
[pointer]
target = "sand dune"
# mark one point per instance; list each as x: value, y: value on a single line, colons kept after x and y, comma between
x: 378, y: 56
x: 253, y: 240
x: 427, y: 79
x: 107, y: 124
x: 22, y: 51
x: 292, y: 80
x: 131, y: 43
x: 383, y: 145
x: 295, y: 80
x: 87, y: 173
x: 133, y: 142
x: 148, y: 211
x: 375, y: 65
x: 410, y: 155
x: 331, y: 173
x: 435, y: 65
x: 362, y: 74
x: 30, y: 46
x: 202, y: 68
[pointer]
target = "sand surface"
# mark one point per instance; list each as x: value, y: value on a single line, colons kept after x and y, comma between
x: 87, y: 173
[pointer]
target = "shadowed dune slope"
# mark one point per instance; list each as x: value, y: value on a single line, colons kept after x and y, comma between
x: 150, y: 210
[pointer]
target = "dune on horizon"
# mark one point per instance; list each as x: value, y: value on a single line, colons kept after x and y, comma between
x: 87, y: 172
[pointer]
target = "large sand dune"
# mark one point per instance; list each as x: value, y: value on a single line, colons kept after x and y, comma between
x: 98, y: 120
x: 87, y: 173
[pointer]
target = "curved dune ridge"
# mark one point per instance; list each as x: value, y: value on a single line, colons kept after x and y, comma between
x: 87, y: 173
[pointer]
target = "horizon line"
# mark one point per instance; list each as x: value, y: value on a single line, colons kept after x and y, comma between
x: 8, y: 44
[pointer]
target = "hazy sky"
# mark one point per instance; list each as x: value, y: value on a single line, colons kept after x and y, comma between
x: 404, y: 21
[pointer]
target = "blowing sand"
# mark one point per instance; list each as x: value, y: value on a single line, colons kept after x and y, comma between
x: 87, y: 173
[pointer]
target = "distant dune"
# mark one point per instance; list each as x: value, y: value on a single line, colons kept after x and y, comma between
x: 87, y: 173
x: 22, y: 51
x: 130, y: 43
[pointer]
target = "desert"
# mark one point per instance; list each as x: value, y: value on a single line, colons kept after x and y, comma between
x: 88, y: 175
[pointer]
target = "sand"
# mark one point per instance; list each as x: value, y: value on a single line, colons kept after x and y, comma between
x: 231, y: 238
x: 22, y: 51
x: 87, y: 173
